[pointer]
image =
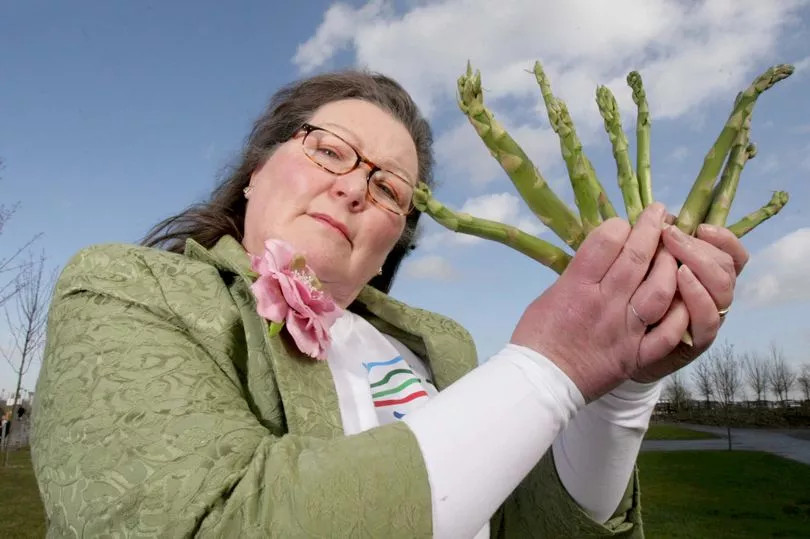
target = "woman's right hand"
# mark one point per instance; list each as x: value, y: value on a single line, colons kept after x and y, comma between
x: 594, y: 321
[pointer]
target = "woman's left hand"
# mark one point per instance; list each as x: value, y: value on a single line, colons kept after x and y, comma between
x: 710, y: 263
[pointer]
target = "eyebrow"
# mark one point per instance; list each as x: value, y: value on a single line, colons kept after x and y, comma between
x: 391, y: 166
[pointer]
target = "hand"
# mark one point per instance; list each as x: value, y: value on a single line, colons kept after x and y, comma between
x: 593, y: 322
x: 711, y: 263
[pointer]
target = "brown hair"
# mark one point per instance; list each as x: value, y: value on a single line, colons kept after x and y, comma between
x: 292, y: 106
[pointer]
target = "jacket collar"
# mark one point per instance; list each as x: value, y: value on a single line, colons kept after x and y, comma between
x: 305, y: 385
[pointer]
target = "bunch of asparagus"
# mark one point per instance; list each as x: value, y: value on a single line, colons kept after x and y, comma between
x: 708, y: 201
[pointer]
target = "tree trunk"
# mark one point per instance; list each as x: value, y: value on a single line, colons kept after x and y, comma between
x: 10, y: 424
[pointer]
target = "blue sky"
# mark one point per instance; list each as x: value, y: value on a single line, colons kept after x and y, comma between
x: 116, y: 115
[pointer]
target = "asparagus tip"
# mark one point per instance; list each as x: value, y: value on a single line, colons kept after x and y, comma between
x: 634, y: 81
x: 421, y: 195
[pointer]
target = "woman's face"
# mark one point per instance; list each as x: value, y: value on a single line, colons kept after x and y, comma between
x: 344, y: 237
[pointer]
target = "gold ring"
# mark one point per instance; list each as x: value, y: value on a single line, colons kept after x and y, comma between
x: 635, y: 312
x: 723, y: 312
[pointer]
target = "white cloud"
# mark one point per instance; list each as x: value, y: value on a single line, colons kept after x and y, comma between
x: 432, y: 267
x: 336, y: 33
x: 504, y: 208
x: 779, y: 272
x: 688, y: 52
x: 802, y: 65
x: 461, y: 150
x: 501, y: 207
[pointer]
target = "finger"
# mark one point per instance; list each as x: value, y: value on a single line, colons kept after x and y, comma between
x: 665, y: 338
x: 726, y: 241
x: 704, y: 320
x: 598, y: 252
x: 634, y: 260
x: 654, y: 295
x: 713, y: 267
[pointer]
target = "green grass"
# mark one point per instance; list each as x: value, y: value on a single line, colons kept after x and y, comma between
x: 685, y: 494
x: 688, y: 494
x: 671, y: 432
x: 21, y: 511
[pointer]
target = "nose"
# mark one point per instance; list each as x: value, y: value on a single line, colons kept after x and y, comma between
x: 351, y: 188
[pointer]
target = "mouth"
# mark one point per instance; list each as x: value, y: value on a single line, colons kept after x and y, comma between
x: 337, y: 225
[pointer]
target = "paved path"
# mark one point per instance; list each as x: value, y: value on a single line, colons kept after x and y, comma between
x: 792, y: 447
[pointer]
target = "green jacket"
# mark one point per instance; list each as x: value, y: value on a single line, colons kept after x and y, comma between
x: 164, y: 409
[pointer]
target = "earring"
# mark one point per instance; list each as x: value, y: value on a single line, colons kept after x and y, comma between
x: 379, y: 271
x: 247, y: 190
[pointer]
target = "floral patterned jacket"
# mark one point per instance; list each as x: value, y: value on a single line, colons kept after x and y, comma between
x: 164, y: 409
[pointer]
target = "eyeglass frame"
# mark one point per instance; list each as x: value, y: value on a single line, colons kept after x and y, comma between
x: 308, y: 128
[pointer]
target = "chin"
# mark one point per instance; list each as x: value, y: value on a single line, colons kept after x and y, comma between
x: 328, y: 264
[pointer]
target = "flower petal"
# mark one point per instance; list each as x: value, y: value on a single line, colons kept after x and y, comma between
x: 270, y: 302
x: 305, y: 333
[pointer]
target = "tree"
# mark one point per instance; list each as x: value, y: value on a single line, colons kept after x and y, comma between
x: 781, y: 377
x: 676, y: 391
x: 756, y: 374
x: 27, y: 323
x: 10, y: 266
x: 702, y: 376
x: 804, y: 381
x: 727, y: 380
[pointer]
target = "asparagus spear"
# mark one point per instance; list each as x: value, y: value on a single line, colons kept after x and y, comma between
x: 585, y: 192
x: 726, y: 188
x: 643, y: 172
x: 531, y: 185
x: 756, y: 218
x: 560, y: 120
x: 697, y: 202
x: 547, y: 254
x: 609, y: 110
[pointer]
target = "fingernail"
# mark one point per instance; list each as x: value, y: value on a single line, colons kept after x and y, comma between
x: 669, y: 219
x: 676, y: 234
x: 711, y: 229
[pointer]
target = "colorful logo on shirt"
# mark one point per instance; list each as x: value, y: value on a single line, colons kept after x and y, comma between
x: 394, y: 387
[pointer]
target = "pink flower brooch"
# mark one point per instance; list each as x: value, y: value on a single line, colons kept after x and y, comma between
x: 288, y: 292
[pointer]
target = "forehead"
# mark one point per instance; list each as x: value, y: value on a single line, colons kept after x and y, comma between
x: 378, y: 135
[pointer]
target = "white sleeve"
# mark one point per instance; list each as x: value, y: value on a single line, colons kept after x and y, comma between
x: 595, y: 454
x: 482, y: 435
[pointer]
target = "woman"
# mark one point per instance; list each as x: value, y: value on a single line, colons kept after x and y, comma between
x: 165, y: 408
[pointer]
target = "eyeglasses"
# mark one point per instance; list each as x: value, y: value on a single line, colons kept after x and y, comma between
x: 333, y: 154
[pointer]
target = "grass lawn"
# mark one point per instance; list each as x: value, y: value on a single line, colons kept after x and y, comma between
x: 671, y: 432
x: 21, y: 511
x: 686, y: 494
x: 724, y: 494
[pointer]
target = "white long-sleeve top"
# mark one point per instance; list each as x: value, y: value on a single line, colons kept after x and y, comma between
x: 494, y: 424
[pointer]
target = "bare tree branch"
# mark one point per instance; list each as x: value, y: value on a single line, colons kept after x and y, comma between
x: 702, y: 376
x: 804, y: 381
x: 756, y: 374
x: 727, y: 380
x: 8, y: 288
x: 781, y: 376
x: 676, y: 390
x: 27, y: 323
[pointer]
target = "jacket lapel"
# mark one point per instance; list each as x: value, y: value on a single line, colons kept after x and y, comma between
x: 445, y: 346
x: 277, y: 372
